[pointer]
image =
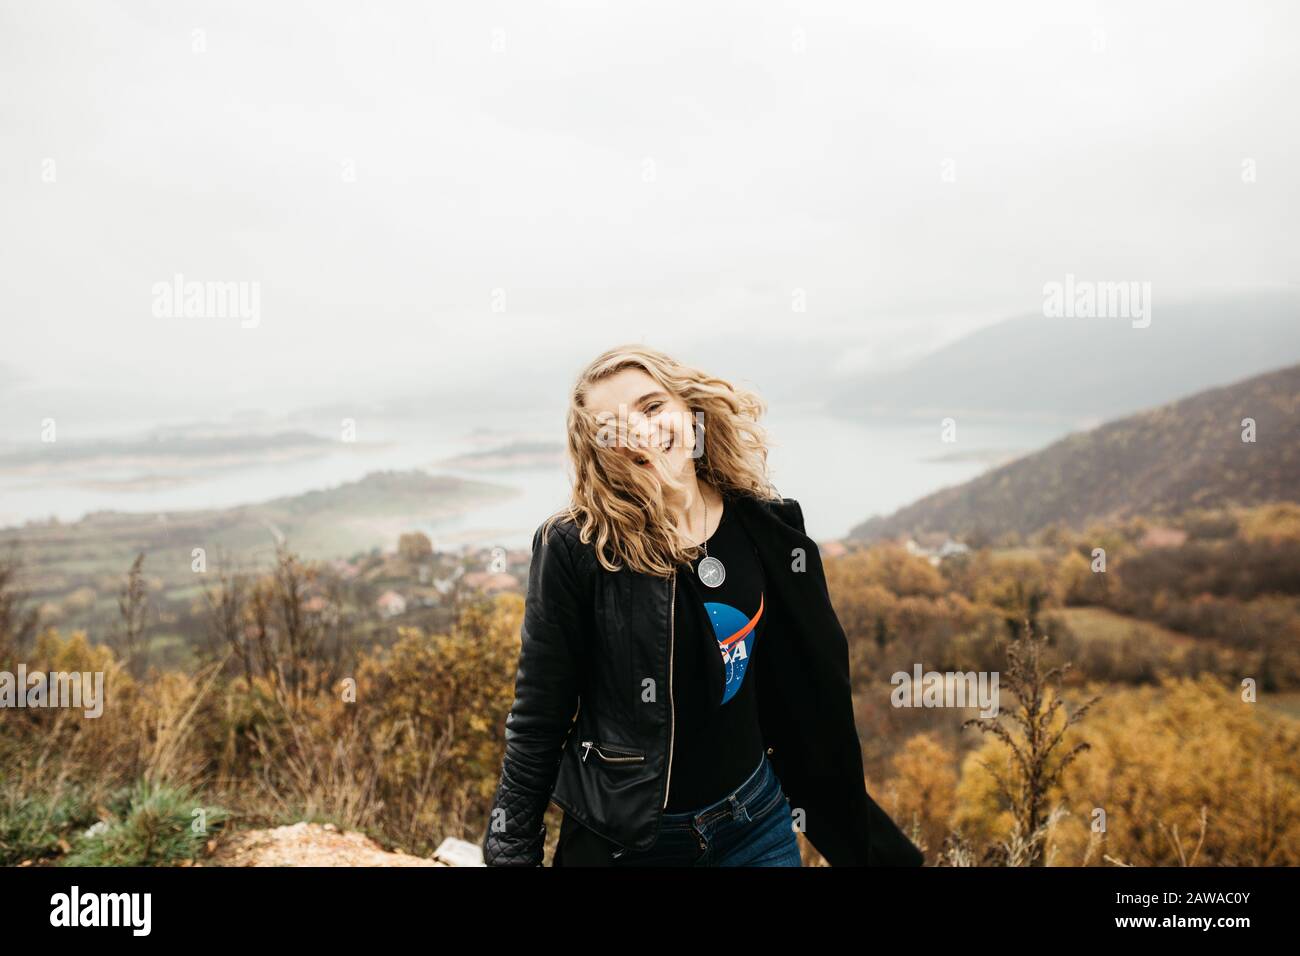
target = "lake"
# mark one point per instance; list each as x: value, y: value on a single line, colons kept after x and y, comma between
x: 841, y: 471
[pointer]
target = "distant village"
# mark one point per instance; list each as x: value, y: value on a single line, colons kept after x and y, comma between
x: 934, y: 547
x: 414, y: 575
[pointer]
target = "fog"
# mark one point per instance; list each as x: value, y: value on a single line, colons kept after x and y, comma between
x: 436, y: 199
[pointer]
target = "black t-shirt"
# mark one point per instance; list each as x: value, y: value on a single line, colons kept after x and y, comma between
x: 717, y: 741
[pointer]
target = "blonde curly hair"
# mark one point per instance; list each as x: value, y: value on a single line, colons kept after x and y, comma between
x: 622, y: 506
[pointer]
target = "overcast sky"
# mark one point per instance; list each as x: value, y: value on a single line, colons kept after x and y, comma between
x: 668, y: 171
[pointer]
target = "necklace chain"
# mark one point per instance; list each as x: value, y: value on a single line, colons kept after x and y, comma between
x: 705, y: 542
x: 710, y: 570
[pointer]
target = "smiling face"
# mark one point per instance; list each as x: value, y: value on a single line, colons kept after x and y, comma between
x: 655, y: 418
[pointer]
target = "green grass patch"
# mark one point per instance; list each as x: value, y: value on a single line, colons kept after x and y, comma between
x: 159, y: 826
x: 38, y: 826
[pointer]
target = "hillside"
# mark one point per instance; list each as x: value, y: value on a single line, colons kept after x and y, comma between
x: 327, y: 523
x: 1085, y: 370
x: 1188, y: 454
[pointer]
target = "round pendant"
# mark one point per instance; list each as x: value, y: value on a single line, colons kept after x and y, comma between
x: 712, y: 572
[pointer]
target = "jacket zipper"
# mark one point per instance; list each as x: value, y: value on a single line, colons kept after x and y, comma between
x: 619, y: 755
x: 574, y: 722
x: 672, y: 726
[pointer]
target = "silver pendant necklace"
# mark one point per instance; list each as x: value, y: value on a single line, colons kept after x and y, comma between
x: 711, y: 570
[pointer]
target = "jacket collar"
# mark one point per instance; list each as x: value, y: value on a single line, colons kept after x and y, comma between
x: 761, y: 511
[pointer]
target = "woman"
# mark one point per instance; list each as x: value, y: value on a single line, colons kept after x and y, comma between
x: 682, y: 692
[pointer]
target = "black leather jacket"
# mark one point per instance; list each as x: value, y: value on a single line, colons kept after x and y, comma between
x: 592, y: 725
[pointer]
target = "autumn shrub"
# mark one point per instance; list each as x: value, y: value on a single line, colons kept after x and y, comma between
x: 921, y: 794
x: 1158, y: 757
x: 436, y: 708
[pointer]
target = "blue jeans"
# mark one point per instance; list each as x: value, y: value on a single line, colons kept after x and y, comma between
x: 750, y: 827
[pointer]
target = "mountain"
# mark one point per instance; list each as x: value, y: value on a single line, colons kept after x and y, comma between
x: 1187, y: 454
x: 1086, y: 370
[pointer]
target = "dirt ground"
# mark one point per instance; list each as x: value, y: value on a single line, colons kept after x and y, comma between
x: 314, y: 844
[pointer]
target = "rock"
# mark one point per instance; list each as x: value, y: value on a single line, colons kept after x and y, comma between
x: 454, y: 852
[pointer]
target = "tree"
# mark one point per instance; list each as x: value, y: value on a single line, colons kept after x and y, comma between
x: 923, y: 791
x: 414, y: 547
x: 226, y: 609
x: 17, y: 621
